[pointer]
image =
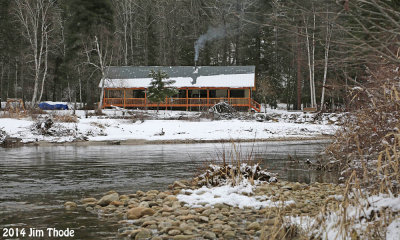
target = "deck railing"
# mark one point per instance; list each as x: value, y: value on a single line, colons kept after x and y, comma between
x: 181, y: 102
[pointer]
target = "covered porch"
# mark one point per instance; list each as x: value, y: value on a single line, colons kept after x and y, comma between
x: 187, y: 98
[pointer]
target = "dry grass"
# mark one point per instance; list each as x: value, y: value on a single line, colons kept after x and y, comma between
x: 366, y: 153
x: 64, y: 118
x: 368, y: 142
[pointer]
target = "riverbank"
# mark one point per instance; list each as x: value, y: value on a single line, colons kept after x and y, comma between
x: 165, y: 127
x: 185, y: 141
x: 168, y: 215
x: 268, y: 210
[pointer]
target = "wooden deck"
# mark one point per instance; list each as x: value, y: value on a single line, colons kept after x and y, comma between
x: 180, y: 102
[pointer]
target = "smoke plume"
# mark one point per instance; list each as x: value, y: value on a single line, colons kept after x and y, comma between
x: 212, y: 34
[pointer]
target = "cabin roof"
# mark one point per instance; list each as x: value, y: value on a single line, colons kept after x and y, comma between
x: 184, y: 76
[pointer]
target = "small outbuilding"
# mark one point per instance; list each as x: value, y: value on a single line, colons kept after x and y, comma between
x: 202, y: 86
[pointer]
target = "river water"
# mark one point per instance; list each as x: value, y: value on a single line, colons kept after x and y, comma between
x: 36, y: 181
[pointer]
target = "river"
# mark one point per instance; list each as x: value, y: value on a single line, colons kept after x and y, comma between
x: 36, y: 181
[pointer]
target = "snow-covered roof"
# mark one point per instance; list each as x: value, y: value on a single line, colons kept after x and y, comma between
x: 184, y: 76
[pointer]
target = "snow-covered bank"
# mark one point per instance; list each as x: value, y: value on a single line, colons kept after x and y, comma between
x: 116, y: 127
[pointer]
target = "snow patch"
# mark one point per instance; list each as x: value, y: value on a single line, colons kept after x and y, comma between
x: 234, y: 196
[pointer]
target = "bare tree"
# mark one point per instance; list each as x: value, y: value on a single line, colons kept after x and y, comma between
x: 103, y: 60
x: 310, y: 44
x: 329, y: 29
x: 35, y: 19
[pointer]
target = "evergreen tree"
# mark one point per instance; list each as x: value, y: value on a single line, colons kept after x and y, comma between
x: 160, y: 88
x: 86, y: 20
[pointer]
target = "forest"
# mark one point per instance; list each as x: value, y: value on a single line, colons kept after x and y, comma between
x: 306, y: 52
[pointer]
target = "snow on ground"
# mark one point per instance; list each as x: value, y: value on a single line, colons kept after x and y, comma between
x: 235, y: 196
x: 117, y: 125
x: 393, y: 230
x: 358, y: 217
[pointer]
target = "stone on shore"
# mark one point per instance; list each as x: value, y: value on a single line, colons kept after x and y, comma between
x: 254, y: 226
x: 136, y: 213
x: 70, y: 205
x: 107, y: 199
x: 143, y: 234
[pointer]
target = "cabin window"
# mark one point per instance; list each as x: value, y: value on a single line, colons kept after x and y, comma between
x: 213, y: 93
x: 182, y: 94
x: 199, y: 93
x: 138, y: 94
x: 115, y: 94
x: 237, y: 93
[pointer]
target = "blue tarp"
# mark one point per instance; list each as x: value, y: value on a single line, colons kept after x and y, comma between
x: 46, y: 106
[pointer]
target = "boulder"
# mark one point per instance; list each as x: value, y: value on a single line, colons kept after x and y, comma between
x: 107, y: 199
x: 136, y: 213
x: 254, y: 226
x: 88, y: 200
x: 70, y: 205
x: 143, y: 234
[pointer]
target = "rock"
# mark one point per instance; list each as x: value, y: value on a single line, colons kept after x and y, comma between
x: 254, y: 226
x: 70, y: 205
x: 162, y: 195
x: 229, y: 235
x: 162, y: 225
x: 187, y: 217
x: 117, y: 203
x: 88, y: 200
x: 147, y: 223
x: 296, y: 186
x: 209, y: 235
x: 206, y: 212
x: 140, y: 193
x: 171, y: 198
x: 178, y: 184
x: 139, y: 212
x: 174, y: 232
x: 143, y: 234
x: 176, y: 205
x: 144, y: 204
x: 203, y: 219
x: 183, y: 237
x: 107, y: 199
x: 123, y: 198
x: 155, y: 192
x: 167, y: 209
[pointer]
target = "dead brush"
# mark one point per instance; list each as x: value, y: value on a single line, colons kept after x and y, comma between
x: 368, y: 141
x: 232, y: 167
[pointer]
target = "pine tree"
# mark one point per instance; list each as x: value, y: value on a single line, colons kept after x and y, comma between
x: 160, y: 88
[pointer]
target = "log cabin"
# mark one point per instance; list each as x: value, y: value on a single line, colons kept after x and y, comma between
x: 199, y: 87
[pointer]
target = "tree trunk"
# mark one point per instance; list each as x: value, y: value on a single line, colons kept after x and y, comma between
x: 299, y: 79
x: 327, y: 45
x: 1, y: 83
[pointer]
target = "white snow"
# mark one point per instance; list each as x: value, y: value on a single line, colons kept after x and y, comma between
x: 235, y: 196
x: 225, y: 80
x: 361, y: 216
x: 393, y: 230
x: 304, y: 222
x: 114, y: 127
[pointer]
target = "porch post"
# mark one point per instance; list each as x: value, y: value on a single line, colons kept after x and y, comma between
x: 166, y: 103
x: 104, y: 98
x: 124, y: 97
x: 208, y: 97
x: 145, y: 98
x: 229, y: 96
x: 187, y: 99
x: 249, y: 98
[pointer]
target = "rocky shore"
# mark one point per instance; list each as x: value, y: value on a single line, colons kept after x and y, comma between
x: 161, y: 215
